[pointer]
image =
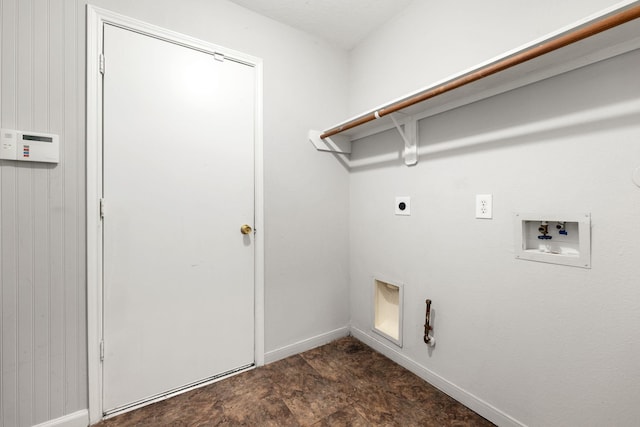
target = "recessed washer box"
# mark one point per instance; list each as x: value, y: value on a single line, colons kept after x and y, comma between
x: 554, y: 238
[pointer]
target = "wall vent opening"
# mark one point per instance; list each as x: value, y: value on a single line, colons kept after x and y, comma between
x: 387, y: 310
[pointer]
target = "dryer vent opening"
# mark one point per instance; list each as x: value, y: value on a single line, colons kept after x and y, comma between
x: 387, y: 310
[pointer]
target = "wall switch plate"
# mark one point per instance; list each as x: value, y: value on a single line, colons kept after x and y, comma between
x: 484, y: 208
x: 403, y: 206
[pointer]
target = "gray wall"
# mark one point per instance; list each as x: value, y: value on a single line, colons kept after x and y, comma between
x: 42, y: 224
x: 42, y: 208
x: 547, y: 345
x: 524, y: 342
x: 432, y: 40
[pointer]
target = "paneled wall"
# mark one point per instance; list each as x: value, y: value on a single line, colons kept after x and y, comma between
x: 42, y: 276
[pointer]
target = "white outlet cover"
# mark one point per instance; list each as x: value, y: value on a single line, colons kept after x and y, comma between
x: 403, y: 206
x: 484, y: 206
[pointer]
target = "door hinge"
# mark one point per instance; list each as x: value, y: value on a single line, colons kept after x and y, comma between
x: 101, y: 63
x: 101, y: 208
x: 102, y: 351
x: 218, y: 56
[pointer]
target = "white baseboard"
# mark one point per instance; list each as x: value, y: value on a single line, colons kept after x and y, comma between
x: 77, y: 419
x: 476, y: 404
x: 304, y: 345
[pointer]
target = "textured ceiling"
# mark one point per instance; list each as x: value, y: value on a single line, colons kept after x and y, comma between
x: 342, y: 22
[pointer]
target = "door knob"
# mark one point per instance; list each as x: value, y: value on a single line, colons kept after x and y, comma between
x: 246, y: 229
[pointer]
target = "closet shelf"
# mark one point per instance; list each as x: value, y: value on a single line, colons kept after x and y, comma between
x: 612, y: 32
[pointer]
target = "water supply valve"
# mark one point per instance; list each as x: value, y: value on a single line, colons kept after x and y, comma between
x: 544, y: 231
x: 561, y: 227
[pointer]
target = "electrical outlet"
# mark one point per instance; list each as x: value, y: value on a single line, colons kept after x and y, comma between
x: 403, y: 206
x: 484, y: 206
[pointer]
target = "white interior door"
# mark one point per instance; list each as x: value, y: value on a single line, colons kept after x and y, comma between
x: 178, y: 175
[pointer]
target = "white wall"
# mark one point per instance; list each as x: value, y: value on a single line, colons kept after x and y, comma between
x: 42, y: 216
x: 518, y: 341
x: 306, y: 194
x: 431, y: 40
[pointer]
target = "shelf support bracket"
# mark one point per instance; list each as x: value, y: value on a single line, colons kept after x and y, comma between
x: 334, y: 144
x: 410, y: 137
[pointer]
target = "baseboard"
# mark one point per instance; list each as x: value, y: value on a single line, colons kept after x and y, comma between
x: 471, y: 401
x: 77, y: 419
x: 304, y: 345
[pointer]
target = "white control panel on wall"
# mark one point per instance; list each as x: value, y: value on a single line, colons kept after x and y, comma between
x: 403, y: 205
x: 557, y: 239
x: 29, y: 146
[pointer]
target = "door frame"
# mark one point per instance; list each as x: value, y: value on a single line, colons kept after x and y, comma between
x: 96, y: 19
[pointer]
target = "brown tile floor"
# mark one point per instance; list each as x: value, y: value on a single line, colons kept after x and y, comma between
x: 344, y: 383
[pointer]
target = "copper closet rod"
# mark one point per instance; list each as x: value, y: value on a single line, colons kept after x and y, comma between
x: 524, y: 56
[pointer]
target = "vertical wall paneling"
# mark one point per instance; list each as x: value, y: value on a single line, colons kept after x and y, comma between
x: 42, y: 272
x: 8, y: 218
x: 24, y: 83
x: 68, y: 199
x: 9, y: 302
x: 75, y: 220
x: 5, y: 349
x: 56, y: 237
x: 41, y: 284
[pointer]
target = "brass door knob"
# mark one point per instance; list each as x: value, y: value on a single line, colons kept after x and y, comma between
x: 246, y: 229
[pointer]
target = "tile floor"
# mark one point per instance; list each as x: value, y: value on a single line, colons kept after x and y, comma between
x: 344, y: 383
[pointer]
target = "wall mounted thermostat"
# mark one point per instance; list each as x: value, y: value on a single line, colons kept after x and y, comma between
x: 29, y: 146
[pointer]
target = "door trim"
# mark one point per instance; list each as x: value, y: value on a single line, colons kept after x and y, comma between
x: 96, y: 19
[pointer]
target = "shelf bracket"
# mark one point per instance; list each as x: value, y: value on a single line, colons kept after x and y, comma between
x: 410, y: 136
x: 334, y: 144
